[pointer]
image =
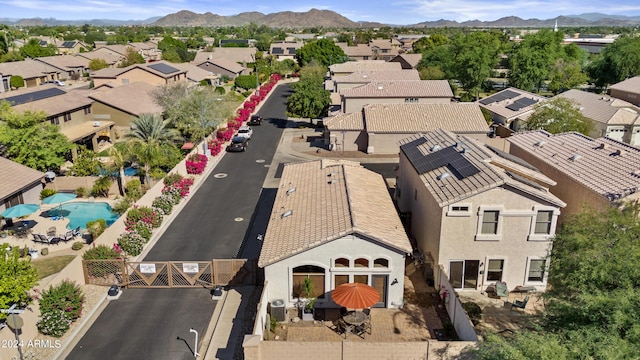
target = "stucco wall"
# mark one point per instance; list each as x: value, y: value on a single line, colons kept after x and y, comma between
x: 77, y: 117
x: 105, y: 112
x: 352, y: 140
x: 30, y: 195
x: 633, y: 98
x: 217, y: 70
x: 279, y: 275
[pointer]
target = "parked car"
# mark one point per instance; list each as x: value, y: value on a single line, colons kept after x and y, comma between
x: 238, y: 143
x: 245, y: 131
x: 56, y: 82
x: 255, y: 120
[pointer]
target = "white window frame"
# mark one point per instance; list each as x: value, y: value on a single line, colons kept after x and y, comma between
x: 454, y: 209
x: 486, y: 267
x: 552, y: 229
x: 489, y: 237
x: 544, y: 276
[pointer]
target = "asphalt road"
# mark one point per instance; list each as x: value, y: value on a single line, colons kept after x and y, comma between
x: 221, y: 220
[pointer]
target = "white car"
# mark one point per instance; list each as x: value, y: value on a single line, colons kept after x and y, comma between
x: 245, y: 132
x: 57, y: 82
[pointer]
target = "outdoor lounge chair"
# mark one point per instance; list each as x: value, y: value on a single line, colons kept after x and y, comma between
x: 66, y: 236
x: 520, y: 304
x: 48, y: 239
x: 76, y: 232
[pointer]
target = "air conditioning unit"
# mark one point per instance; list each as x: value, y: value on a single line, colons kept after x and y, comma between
x: 278, y: 310
x: 96, y: 123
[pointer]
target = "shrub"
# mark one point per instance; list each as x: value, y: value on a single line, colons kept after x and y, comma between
x: 172, y: 179
x: 60, y: 306
x: 122, y: 206
x: 473, y: 311
x: 196, y: 164
x: 133, y: 190
x: 101, y: 252
x: 77, y: 245
x: 163, y: 203
x: 131, y: 243
x: 45, y: 193
x: 143, y: 214
x: 101, y: 187
x: 81, y: 192
x: 144, y: 229
x: 96, y: 227
x: 215, y: 146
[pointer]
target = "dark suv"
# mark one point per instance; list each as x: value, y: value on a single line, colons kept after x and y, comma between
x: 238, y: 143
x: 255, y: 120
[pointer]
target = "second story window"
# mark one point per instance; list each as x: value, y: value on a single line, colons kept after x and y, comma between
x: 543, y: 222
x: 490, y: 222
x: 67, y: 116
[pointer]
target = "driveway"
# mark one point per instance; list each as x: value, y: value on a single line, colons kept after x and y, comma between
x: 216, y: 223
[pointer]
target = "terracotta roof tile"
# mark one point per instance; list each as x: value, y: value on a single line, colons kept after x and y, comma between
x: 631, y: 85
x: 57, y: 105
x: 501, y: 107
x: 415, y: 118
x: 320, y: 201
x: 15, y: 177
x: 598, y: 166
x: 353, y: 66
x: 602, y: 108
x: 364, y: 76
x: 350, y: 121
x: 401, y: 89
x: 134, y: 98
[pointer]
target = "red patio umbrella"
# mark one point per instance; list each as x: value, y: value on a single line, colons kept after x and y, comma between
x: 355, y: 296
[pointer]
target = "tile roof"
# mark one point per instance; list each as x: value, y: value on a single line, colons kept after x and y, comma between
x: 28, y: 69
x: 606, y: 166
x: 285, y: 47
x: 194, y: 73
x: 112, y: 73
x: 415, y: 118
x: 56, y: 105
x: 237, y: 55
x: 134, y: 98
x: 65, y: 62
x: 631, y: 85
x: 501, y: 107
x: 356, y: 51
x: 602, y: 108
x: 105, y: 54
x: 350, y: 121
x: 15, y: 177
x: 227, y: 65
x: 453, y: 188
x: 411, y: 59
x: 364, y: 76
x: 353, y: 66
x: 85, y: 129
x: 401, y: 89
x: 327, y: 200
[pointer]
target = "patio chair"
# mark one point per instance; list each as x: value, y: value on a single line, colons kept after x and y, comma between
x: 66, y: 236
x: 76, y: 232
x: 48, y: 239
x: 51, y: 231
x: 520, y: 304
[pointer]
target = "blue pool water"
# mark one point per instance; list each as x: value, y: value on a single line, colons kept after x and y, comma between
x: 82, y: 212
x: 128, y: 171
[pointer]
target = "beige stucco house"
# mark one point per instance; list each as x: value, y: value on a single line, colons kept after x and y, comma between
x: 511, y: 106
x: 379, y: 128
x: 476, y: 211
x: 396, y: 92
x: 358, y: 52
x: 33, y: 72
x: 285, y: 49
x: 349, y: 67
x: 70, y: 66
x: 19, y: 184
x: 611, y: 117
x: 111, y: 57
x: 363, y: 77
x: 595, y: 172
x: 408, y: 61
x: 157, y: 73
x: 627, y: 90
x: 333, y: 222
x: 223, y: 67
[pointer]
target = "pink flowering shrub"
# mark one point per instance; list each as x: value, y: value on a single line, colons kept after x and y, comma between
x: 224, y: 134
x: 142, y: 214
x: 215, y: 146
x: 196, y: 164
x: 177, y: 186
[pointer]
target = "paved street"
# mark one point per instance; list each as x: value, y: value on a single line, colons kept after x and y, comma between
x: 152, y: 323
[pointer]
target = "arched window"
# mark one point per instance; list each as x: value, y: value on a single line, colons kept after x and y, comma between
x: 361, y: 262
x: 381, y: 263
x: 315, y: 274
x: 341, y: 262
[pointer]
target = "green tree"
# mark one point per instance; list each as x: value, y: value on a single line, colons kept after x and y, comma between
x: 245, y: 82
x: 432, y: 73
x: 150, y: 139
x: 284, y: 67
x: 33, y: 49
x: 618, y: 61
x: 86, y: 163
x: 30, y: 141
x: 119, y: 158
x: 531, y: 60
x: 324, y: 51
x: 429, y: 43
x: 98, y: 64
x: 565, y: 75
x: 474, y: 57
x: 16, y: 81
x: 131, y: 57
x: 559, y: 115
x: 11, y: 56
x: 17, y: 277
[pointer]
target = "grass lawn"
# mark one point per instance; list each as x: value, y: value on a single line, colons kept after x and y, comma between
x: 50, y: 265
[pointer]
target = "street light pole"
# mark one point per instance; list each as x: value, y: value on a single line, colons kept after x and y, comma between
x: 195, y: 347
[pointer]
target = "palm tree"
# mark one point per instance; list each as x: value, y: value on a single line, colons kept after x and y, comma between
x: 148, y: 139
x: 119, y: 159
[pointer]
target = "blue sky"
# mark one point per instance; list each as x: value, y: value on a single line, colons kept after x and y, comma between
x: 399, y: 12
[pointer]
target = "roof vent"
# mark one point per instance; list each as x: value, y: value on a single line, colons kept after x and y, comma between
x: 291, y: 191
x: 575, y: 157
x: 602, y: 146
x: 443, y: 176
x: 333, y: 181
x: 540, y: 143
x: 435, y: 147
x: 286, y: 214
x: 636, y: 173
x: 332, y: 174
x: 380, y: 87
x: 619, y: 152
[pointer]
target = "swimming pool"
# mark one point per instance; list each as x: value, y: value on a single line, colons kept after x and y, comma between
x: 82, y: 212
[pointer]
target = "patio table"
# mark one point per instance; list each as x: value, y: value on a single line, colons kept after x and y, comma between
x: 356, y: 318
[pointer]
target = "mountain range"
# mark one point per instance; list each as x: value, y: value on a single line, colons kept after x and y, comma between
x: 328, y: 19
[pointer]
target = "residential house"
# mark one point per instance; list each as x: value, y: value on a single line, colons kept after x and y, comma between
x: 511, y: 107
x: 350, y: 67
x: 236, y: 55
x: 71, y: 111
x: 70, y: 66
x: 149, y: 51
x: 358, y: 52
x: 363, y: 77
x: 33, y: 72
x: 333, y: 222
x: 196, y: 75
x: 406, y: 40
x: 611, y: 117
x: 156, y: 73
x: 384, y: 49
x: 303, y: 37
x: 285, y: 49
x: 598, y: 173
x: 408, y: 61
x: 121, y: 104
x: 4, y: 83
x: 19, y: 184
x: 71, y: 47
x: 627, y: 90
x: 396, y: 92
x: 482, y: 214
x: 236, y: 42
x: 112, y: 58
x: 379, y: 128
x: 223, y: 67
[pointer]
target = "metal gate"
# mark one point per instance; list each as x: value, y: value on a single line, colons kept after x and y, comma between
x: 171, y: 274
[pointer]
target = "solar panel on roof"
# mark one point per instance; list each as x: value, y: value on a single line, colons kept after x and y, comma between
x: 521, y: 103
x: 34, y: 96
x: 502, y: 95
x: 68, y: 44
x: 163, y: 68
x: 277, y: 51
x: 448, y: 156
x: 291, y: 50
x: 43, y: 43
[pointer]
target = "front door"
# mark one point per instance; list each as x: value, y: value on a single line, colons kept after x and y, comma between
x: 463, y: 274
x: 380, y: 284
